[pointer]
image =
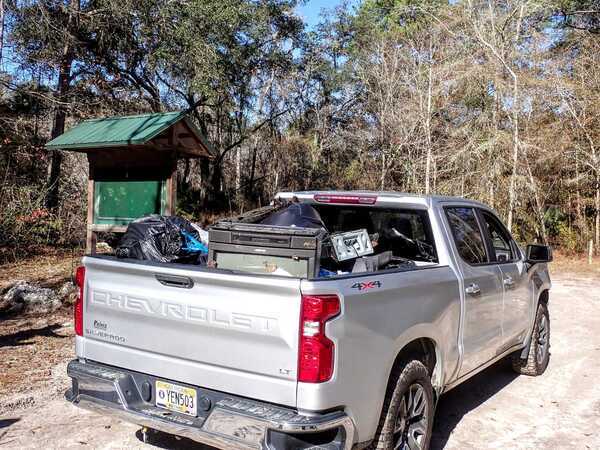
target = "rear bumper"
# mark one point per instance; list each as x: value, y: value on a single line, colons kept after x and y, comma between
x: 224, y: 421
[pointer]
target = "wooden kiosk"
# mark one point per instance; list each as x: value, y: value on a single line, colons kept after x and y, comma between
x: 132, y: 166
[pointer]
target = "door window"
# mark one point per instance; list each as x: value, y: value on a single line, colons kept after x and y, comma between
x: 467, y: 234
x: 500, y: 239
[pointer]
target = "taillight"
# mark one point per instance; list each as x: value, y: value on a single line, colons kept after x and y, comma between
x: 346, y: 199
x: 78, y: 307
x: 316, y: 351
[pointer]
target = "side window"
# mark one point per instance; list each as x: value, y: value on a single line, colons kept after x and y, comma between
x: 501, y: 240
x: 467, y: 234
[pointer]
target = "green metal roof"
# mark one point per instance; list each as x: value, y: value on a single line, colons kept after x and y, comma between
x: 120, y: 131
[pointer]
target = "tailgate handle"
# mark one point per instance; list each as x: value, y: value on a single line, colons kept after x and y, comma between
x: 175, y: 281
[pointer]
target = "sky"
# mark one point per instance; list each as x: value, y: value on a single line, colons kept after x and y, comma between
x: 312, y: 8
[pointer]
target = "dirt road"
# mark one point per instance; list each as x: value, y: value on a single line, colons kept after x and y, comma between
x: 495, y: 409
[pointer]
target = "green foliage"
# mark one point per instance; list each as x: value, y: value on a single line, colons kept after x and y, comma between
x: 25, y: 224
x: 567, y: 239
x: 554, y: 220
x: 40, y: 31
x: 376, y: 17
x: 561, y: 234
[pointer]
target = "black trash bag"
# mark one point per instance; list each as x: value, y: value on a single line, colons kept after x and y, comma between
x: 297, y: 214
x: 161, y: 239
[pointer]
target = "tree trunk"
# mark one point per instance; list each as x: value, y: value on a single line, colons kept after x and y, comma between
x: 435, y: 175
x: 205, y: 188
x: 581, y: 222
x: 597, y: 221
x: 515, y: 158
x: 250, y: 188
x: 1, y: 30
x: 238, y: 170
x: 216, y: 195
x: 58, y: 128
x: 276, y: 183
x: 383, y: 170
x: 539, y: 205
x: 428, y: 123
x: 510, y: 68
x: 512, y: 194
x: 211, y: 178
x: 60, y: 113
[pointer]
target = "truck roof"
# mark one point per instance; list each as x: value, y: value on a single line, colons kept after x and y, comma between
x: 401, y: 197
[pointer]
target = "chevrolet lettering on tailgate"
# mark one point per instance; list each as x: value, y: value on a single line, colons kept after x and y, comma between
x: 189, y: 313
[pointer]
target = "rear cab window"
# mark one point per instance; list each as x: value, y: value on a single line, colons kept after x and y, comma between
x: 405, y: 234
x: 338, y: 240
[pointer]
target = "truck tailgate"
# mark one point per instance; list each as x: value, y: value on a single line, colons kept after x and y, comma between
x: 233, y: 333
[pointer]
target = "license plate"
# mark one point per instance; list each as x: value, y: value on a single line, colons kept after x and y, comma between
x: 176, y: 398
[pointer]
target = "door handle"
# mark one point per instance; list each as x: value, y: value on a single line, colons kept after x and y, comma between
x: 508, y: 282
x: 175, y: 281
x: 473, y: 289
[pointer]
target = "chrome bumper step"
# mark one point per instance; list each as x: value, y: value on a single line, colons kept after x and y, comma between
x: 228, y: 422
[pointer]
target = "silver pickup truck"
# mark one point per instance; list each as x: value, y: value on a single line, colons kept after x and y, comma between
x: 356, y: 359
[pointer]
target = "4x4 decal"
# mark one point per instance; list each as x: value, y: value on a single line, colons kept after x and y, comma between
x: 366, y: 285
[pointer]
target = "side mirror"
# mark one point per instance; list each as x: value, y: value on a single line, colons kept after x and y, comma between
x: 537, y: 253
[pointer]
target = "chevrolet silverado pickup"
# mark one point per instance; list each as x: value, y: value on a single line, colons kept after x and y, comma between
x: 354, y: 359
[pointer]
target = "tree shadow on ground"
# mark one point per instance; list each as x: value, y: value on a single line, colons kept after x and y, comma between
x: 171, y: 442
x: 453, y: 406
x: 23, y: 337
x: 451, y: 409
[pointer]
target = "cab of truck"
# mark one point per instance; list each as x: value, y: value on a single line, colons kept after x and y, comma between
x: 264, y: 348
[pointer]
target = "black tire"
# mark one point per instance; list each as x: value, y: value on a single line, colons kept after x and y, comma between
x: 539, y: 347
x: 410, y: 380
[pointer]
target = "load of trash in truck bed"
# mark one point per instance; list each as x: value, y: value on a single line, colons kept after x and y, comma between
x: 287, y: 238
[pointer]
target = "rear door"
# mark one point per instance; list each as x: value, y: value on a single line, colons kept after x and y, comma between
x: 234, y: 333
x: 506, y: 254
x: 482, y: 287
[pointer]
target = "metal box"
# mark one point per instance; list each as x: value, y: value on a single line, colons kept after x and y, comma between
x: 266, y: 249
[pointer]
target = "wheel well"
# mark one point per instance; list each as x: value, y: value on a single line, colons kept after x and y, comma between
x: 426, y: 351
x: 542, y: 299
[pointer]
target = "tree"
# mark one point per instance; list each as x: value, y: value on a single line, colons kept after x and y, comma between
x: 502, y: 42
x: 495, y: 101
x: 45, y: 34
x: 1, y: 30
x: 216, y: 60
x: 209, y: 58
x: 581, y: 101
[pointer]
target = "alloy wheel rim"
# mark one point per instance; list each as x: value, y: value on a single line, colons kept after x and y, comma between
x: 542, y: 340
x: 412, y: 422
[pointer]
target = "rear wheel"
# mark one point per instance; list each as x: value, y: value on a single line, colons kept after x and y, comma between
x: 539, y: 347
x: 407, y: 417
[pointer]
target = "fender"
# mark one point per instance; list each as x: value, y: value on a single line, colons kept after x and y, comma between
x: 424, y: 331
x: 540, y: 285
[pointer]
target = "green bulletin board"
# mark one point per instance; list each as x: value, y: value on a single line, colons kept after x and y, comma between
x: 120, y: 202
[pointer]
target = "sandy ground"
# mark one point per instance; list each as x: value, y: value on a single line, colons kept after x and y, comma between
x: 495, y: 409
